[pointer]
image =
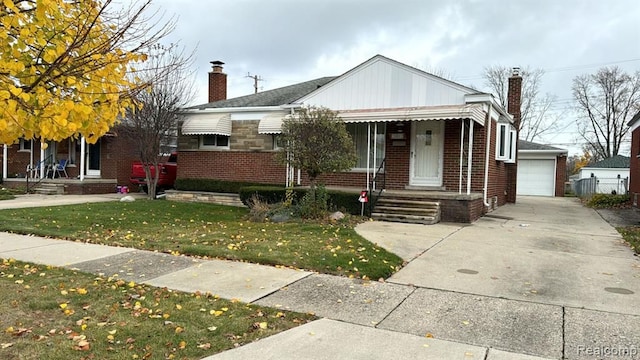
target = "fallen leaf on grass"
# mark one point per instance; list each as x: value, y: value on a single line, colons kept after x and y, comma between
x: 5, y: 345
x: 82, y: 345
x: 206, y: 346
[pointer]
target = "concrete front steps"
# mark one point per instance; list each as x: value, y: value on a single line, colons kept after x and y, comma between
x: 49, y: 189
x: 407, y: 210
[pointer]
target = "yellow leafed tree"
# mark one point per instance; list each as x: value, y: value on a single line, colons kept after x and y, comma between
x: 65, y: 66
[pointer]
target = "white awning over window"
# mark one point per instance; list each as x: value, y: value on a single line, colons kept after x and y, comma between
x: 207, y: 124
x: 271, y: 124
x: 474, y: 112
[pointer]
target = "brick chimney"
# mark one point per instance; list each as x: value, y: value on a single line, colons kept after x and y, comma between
x: 514, y: 99
x: 514, y: 96
x: 217, y: 82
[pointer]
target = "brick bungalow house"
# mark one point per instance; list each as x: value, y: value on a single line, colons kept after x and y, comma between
x: 418, y: 136
x: 634, y: 162
x: 91, y: 168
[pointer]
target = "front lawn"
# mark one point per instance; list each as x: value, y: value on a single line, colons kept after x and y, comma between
x: 7, y: 194
x: 53, y: 313
x: 211, y: 231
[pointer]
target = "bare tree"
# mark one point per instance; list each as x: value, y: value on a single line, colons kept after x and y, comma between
x: 535, y: 109
x: 605, y: 102
x: 153, y: 124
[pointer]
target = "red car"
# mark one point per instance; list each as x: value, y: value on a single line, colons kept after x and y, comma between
x: 166, y: 179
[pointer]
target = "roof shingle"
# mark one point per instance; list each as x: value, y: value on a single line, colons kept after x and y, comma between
x: 614, y: 162
x: 528, y: 145
x: 280, y: 96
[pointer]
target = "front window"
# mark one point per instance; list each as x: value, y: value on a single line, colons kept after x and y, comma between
x: 277, y: 142
x: 25, y: 145
x: 374, y: 151
x: 214, y: 141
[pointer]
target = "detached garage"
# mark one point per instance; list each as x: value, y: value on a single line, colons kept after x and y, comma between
x: 541, y: 169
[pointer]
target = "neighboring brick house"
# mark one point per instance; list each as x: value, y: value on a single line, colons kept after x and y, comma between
x: 634, y: 161
x: 438, y: 139
x: 91, y: 168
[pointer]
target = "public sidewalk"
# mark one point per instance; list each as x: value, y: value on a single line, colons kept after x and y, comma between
x: 545, y: 278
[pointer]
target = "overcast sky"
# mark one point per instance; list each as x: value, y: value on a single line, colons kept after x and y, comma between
x: 289, y: 41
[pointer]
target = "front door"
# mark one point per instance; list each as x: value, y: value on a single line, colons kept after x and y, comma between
x: 93, y: 159
x: 426, y: 153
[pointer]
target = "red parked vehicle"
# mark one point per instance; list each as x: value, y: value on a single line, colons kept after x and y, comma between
x: 166, y: 179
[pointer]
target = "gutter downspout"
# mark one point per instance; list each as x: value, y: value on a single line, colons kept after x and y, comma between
x: 485, y: 190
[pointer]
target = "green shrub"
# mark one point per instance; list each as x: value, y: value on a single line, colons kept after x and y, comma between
x: 338, y: 200
x: 314, y: 204
x: 268, y: 194
x: 601, y: 201
x: 212, y: 185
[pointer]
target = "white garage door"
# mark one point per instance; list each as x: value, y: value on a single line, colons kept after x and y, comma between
x: 536, y: 177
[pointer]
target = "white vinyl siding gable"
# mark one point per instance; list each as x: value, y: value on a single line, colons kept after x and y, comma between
x: 383, y: 83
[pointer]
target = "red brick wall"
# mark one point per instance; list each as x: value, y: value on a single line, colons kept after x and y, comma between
x: 258, y: 167
x: 634, y: 167
x: 117, y: 153
x: 17, y: 160
x: 561, y: 174
x: 398, y: 157
x: 451, y: 178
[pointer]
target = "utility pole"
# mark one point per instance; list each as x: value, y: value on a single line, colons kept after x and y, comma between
x: 255, y: 78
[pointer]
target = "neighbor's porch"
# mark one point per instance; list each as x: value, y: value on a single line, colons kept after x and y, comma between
x: 63, y: 185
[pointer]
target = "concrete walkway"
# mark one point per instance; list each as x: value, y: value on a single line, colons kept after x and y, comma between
x: 545, y: 278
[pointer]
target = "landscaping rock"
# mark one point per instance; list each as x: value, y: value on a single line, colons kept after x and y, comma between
x: 280, y: 218
x: 336, y: 216
x: 128, y: 198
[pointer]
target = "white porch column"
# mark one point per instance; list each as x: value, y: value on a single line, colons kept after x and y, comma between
x: 368, y: 154
x: 42, y: 163
x: 375, y: 153
x: 5, y: 167
x: 461, y: 156
x: 83, y: 151
x: 470, y: 159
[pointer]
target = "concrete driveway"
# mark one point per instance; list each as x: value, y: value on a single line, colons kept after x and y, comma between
x: 545, y: 276
x: 545, y: 250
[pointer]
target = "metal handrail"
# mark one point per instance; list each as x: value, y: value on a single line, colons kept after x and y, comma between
x: 373, y: 198
x: 36, y: 169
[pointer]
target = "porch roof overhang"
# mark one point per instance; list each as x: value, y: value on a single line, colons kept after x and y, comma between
x: 474, y: 112
x: 271, y: 124
x: 208, y: 124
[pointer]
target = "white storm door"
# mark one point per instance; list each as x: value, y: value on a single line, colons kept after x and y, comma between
x: 93, y: 159
x: 426, y: 153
